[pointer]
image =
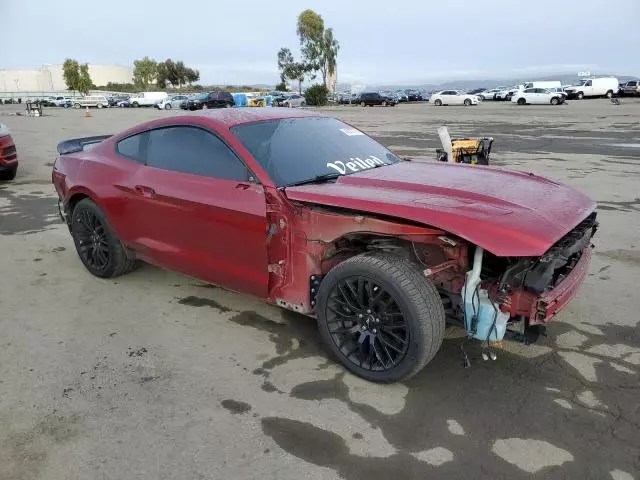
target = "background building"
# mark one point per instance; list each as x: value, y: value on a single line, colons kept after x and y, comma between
x: 49, y: 78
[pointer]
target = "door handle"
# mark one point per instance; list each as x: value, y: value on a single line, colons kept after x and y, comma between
x: 145, y: 191
x: 242, y: 186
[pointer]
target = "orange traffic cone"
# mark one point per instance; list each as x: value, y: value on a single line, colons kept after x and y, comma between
x: 87, y: 113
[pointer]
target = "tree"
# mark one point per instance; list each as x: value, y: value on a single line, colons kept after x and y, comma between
x: 329, y: 57
x: 71, y: 73
x: 316, y: 95
x: 192, y: 75
x: 281, y: 87
x: 291, y: 69
x: 84, y: 81
x: 145, y: 72
x: 310, y: 30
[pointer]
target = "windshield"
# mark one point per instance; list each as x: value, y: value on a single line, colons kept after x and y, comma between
x: 296, y: 150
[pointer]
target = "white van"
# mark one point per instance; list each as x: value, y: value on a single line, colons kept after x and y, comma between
x: 593, y: 87
x: 549, y: 84
x: 99, y: 101
x: 147, y: 99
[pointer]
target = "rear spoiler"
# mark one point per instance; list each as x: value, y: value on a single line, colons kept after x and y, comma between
x: 74, y: 145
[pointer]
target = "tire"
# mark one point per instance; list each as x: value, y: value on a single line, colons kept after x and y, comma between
x: 481, y: 97
x: 227, y: 105
x: 580, y: 96
x: 118, y: 260
x: 8, y: 174
x: 467, y: 102
x: 522, y: 101
x: 362, y: 104
x: 384, y: 104
x: 204, y: 106
x: 167, y: 106
x: 438, y: 103
x: 76, y: 105
x: 135, y: 104
x: 609, y: 94
x: 303, y: 104
x: 99, y: 105
x: 401, y: 285
x: 555, y: 101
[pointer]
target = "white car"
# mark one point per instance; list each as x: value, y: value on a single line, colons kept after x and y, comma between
x: 98, y: 101
x: 294, y: 101
x: 453, y: 97
x: 171, y: 102
x: 489, y: 94
x: 537, y: 96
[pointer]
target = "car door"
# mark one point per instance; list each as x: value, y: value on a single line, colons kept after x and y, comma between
x: 455, y: 98
x: 202, y: 212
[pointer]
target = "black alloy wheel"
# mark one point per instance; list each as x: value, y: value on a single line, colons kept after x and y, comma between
x: 98, y: 247
x: 366, y: 324
x: 91, y: 239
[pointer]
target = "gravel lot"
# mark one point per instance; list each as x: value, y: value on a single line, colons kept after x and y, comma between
x: 156, y: 376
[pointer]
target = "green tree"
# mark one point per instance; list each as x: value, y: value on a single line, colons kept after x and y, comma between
x: 329, y: 57
x: 310, y: 30
x: 291, y: 69
x: 145, y: 72
x: 192, y: 75
x: 71, y: 73
x: 281, y: 87
x: 84, y: 79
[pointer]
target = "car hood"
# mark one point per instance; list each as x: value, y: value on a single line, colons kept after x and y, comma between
x: 506, y: 212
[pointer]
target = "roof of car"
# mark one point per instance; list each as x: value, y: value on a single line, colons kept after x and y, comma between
x: 231, y: 117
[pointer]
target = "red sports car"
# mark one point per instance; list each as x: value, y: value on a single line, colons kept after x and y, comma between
x: 8, y: 155
x: 311, y: 214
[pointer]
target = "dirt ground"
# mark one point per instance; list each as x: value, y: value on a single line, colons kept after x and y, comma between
x: 156, y: 376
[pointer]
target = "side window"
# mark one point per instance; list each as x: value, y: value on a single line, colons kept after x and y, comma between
x: 131, y: 147
x: 588, y: 84
x: 195, y: 151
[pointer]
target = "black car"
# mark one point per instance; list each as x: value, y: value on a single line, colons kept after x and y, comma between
x: 209, y: 100
x: 115, y: 99
x: 371, y: 99
x: 413, y: 96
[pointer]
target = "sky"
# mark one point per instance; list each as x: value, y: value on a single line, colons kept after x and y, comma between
x: 390, y: 42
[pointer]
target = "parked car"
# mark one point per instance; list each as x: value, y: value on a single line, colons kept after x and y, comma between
x: 507, y: 93
x: 98, y: 101
x: 413, y: 96
x: 295, y: 100
x: 115, y: 99
x: 402, y: 97
x: 453, y: 97
x: 537, y: 96
x: 369, y: 99
x: 488, y: 94
x: 631, y: 88
x: 476, y: 91
x: 375, y: 248
x: 147, y: 99
x: 206, y: 100
x: 175, y: 101
x: 8, y: 155
x: 593, y: 87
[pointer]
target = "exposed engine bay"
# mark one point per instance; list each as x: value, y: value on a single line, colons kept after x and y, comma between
x: 501, y: 292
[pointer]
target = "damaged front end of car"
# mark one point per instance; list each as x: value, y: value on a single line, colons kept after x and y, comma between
x: 517, y: 296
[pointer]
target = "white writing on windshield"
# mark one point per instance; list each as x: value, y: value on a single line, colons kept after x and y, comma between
x: 356, y: 164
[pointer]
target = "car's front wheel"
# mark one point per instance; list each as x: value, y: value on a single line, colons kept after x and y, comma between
x: 438, y: 103
x: 98, y: 247
x: 380, y: 316
x: 521, y: 101
x: 167, y: 106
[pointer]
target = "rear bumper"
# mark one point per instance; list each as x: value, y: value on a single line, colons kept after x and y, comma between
x: 548, y: 304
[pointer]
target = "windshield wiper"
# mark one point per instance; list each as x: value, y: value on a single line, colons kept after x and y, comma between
x: 325, y: 177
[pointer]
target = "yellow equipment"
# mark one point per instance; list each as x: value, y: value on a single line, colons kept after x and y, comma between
x: 474, y: 151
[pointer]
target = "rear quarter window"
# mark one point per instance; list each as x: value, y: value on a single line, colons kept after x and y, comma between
x: 131, y: 147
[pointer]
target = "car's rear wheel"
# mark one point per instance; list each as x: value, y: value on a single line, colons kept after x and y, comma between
x: 362, y: 104
x: 99, y: 105
x: 555, y: 101
x: 467, y: 102
x: 380, y: 316
x: 438, y: 103
x: 9, y: 173
x: 76, y: 105
x: 204, y: 106
x: 522, y: 101
x: 481, y: 97
x: 384, y: 103
x: 167, y: 106
x: 98, y: 247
